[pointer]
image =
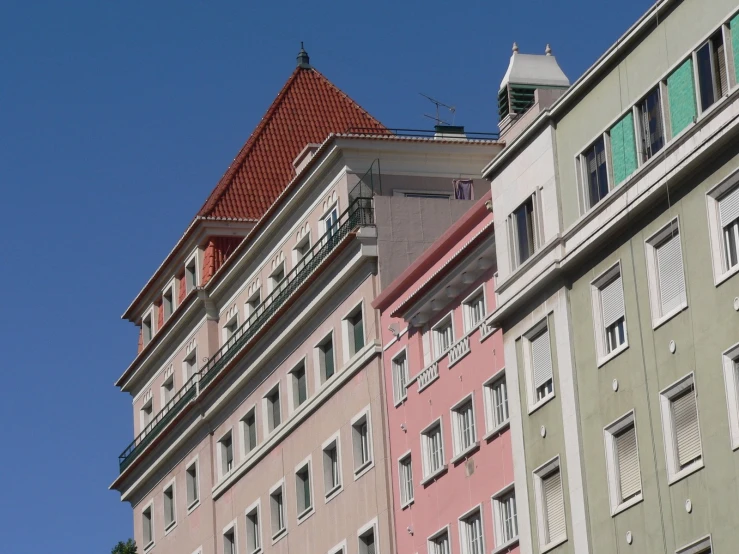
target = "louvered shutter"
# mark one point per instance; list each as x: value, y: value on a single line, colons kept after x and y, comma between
x: 628, y: 463
x: 554, y: 506
x: 722, y: 76
x: 729, y: 207
x: 670, y: 274
x: 612, y: 301
x: 687, y: 433
x: 541, y: 359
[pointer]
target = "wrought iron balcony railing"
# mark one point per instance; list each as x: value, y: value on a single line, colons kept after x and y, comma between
x: 358, y: 214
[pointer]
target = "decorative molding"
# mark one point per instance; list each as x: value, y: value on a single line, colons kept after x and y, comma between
x: 255, y: 286
x: 232, y: 311
x: 302, y: 231
x: 427, y: 376
x: 486, y: 329
x: 329, y: 200
x: 192, y: 345
x: 278, y: 259
x: 169, y: 371
x: 147, y: 395
x: 459, y: 350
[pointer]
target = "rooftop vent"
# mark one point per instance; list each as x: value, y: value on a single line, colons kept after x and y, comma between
x: 449, y: 132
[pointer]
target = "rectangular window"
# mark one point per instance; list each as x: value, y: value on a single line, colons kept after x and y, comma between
x: 331, y: 222
x: 303, y: 490
x: 147, y: 527
x: 702, y: 546
x: 230, y: 328
x: 361, y: 443
x: 300, y: 388
x: 523, y: 232
x: 229, y: 541
x: 167, y: 390
x: 651, y: 126
x: 443, y: 336
x: 355, y: 331
x: 226, y: 449
x: 432, y: 446
x: 326, y: 358
x: 496, y: 403
x: 463, y: 426
x: 550, y: 504
x: 331, y: 468
x: 170, y: 516
x: 278, y: 275
x: 405, y: 476
x: 730, y: 360
x: 474, y: 311
x: 710, y: 60
x: 272, y: 407
x: 470, y: 533
x: 147, y: 412
x: 168, y: 303
x: 301, y: 249
x: 191, y: 276
x: 679, y: 407
x: 595, y: 172
x: 147, y: 330
x: 278, y: 512
x: 728, y: 208
x: 193, y: 487
x: 249, y: 430
x: 439, y: 543
x: 251, y: 306
x: 253, y: 532
x: 367, y: 542
x: 666, y: 273
x: 539, y: 360
x: 609, y: 313
x: 400, y: 377
x: 622, y: 463
x: 682, y: 97
x: 190, y: 365
x: 622, y: 141
x: 506, y: 517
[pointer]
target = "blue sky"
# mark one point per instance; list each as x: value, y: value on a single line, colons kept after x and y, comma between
x: 116, y: 120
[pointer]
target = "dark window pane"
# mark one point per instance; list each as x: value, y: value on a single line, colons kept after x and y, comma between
x: 651, y: 120
x: 597, y: 172
x: 705, y: 77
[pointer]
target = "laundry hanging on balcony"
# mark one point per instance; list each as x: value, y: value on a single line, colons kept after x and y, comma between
x: 463, y: 189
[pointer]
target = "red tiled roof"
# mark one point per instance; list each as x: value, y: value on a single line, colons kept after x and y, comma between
x: 307, y: 109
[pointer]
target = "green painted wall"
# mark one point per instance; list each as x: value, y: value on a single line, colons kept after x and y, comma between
x: 623, y: 148
x: 702, y: 332
x: 681, y: 94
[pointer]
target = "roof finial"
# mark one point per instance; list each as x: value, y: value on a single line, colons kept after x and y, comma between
x: 515, y: 48
x: 548, y: 50
x: 303, y: 59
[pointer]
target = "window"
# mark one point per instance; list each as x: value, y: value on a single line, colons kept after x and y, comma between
x: 331, y: 222
x: 405, y: 475
x: 147, y: 412
x: 229, y: 541
x: 331, y: 468
x: 278, y: 275
x: 703, y: 546
x: 249, y: 430
x: 538, y: 358
x: 301, y: 249
x: 252, y: 304
x: 470, y: 533
x: 496, y: 403
x: 167, y: 390
x: 594, y: 172
x: 193, y: 487
x: 728, y: 207
x: 170, y: 517
x: 367, y: 542
x: 622, y: 463
x: 731, y: 381
x: 277, y: 508
x: 272, y: 407
x: 523, y: 235
x: 303, y: 490
x: 679, y: 407
x: 443, y: 336
x: 168, y: 302
x: 191, y: 276
x: 474, y: 311
x: 400, y: 377
x: 463, y: 426
x: 432, y: 446
x: 253, y: 532
x: 190, y: 365
x: 609, y: 313
x: 651, y: 126
x: 505, y: 516
x: 325, y: 352
x: 550, y: 504
x: 355, y: 331
x: 147, y: 330
x: 300, y: 389
x: 230, y: 327
x: 666, y: 275
x: 226, y: 449
x: 147, y: 527
x: 362, y: 443
x: 710, y: 60
x: 439, y: 543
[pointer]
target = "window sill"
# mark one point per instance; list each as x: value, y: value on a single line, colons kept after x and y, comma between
x: 149, y: 546
x: 506, y: 546
x: 726, y: 275
x: 407, y: 504
x: 667, y: 317
x: 364, y: 468
x: 551, y: 545
x: 541, y: 403
x: 628, y: 504
x: 426, y: 480
x: 168, y: 530
x: 333, y: 493
x: 683, y: 473
x: 305, y: 514
x: 466, y: 452
x: 192, y: 507
x: 400, y: 402
x: 281, y: 534
x: 497, y: 430
x: 256, y: 551
x: 612, y: 354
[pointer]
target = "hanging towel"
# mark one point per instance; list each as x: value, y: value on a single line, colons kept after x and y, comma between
x: 463, y: 189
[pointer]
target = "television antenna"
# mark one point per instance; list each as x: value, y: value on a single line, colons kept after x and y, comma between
x: 439, y: 104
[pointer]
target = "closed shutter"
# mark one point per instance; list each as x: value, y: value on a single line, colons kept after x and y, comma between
x: 723, y: 81
x: 670, y: 274
x: 541, y: 359
x: 687, y: 433
x: 612, y: 301
x: 554, y: 506
x: 628, y: 463
x: 681, y: 97
x: 729, y: 207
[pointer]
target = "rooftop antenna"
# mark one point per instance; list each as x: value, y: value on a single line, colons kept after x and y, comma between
x: 438, y: 104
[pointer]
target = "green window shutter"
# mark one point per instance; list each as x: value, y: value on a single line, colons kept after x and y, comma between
x: 681, y: 90
x: 623, y: 148
x: 734, y: 26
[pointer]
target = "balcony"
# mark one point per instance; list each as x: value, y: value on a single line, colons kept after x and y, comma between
x: 428, y: 376
x: 358, y: 214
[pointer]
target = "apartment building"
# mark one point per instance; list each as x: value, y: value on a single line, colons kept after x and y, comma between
x: 616, y: 229
x: 258, y: 391
x: 450, y: 448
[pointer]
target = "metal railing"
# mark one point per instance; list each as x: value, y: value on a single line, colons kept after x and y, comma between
x: 359, y: 213
x: 419, y: 133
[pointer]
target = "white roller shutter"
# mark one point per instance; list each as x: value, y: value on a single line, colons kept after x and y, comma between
x: 554, y: 506
x: 687, y: 433
x: 729, y: 207
x: 612, y: 301
x: 670, y: 274
x: 541, y: 359
x: 628, y: 463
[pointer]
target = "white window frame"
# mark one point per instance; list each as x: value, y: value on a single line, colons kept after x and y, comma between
x: 243, y: 428
x: 230, y: 528
x: 400, y: 396
x: 221, y: 473
x: 320, y: 375
x: 429, y: 474
x: 150, y: 315
x: 148, y: 405
x: 255, y: 507
x: 596, y: 287
x: 186, y: 363
x: 172, y: 289
x: 730, y: 363
x: 150, y: 507
x: 447, y: 319
x: 292, y: 378
x: 430, y: 544
x: 362, y: 468
x: 280, y: 533
x: 539, y: 474
x: 272, y: 282
x: 226, y: 331
x: 668, y: 429
x: 266, y: 405
x: 496, y: 501
x: 304, y: 242
x: 583, y: 187
x: 335, y: 441
x: 371, y: 525
x: 307, y: 463
x: 194, y: 462
x: 163, y: 390
x: 541, y: 326
x: 338, y: 548
x: 171, y: 484
x: 610, y: 432
x: 493, y: 427
x: 326, y: 214
x: 349, y: 338
x: 716, y: 231
x: 192, y: 259
x: 701, y: 546
x: 651, y: 244
x: 250, y: 306
x: 467, y: 308
x: 462, y: 526
x: 405, y: 502
x: 460, y: 451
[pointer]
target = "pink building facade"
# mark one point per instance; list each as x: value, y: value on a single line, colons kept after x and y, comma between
x: 450, y: 447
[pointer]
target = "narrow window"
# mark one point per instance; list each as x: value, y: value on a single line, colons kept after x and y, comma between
x: 301, y: 249
x: 464, y: 427
x: 331, y: 469
x: 190, y: 276
x: 687, y: 433
x: 168, y: 303
x: 147, y: 527
x: 169, y: 507
x: 666, y: 273
x: 229, y: 329
x: 400, y: 377
x: 190, y: 365
x: 551, y: 506
x: 506, y: 518
x: 439, y: 543
x: 300, y: 390
x: 361, y: 443
x: 595, y: 172
x: 274, y: 414
x: 253, y: 534
x: 471, y: 534
x: 252, y: 304
x: 326, y: 358
x: 730, y: 360
x: 278, y: 512
x: 193, y: 491
x: 355, y: 331
x: 147, y: 412
x: 651, y: 126
x: 523, y: 231
x: 367, y: 542
x: 443, y: 336
x: 227, y: 454
x: 496, y: 400
x: 433, y: 450
x: 541, y: 364
x: 711, y: 68
x: 146, y: 329
x: 229, y: 542
x: 331, y: 222
x: 249, y: 427
x: 474, y: 311
x: 405, y: 475
x: 167, y: 390
x: 302, y: 488
x: 278, y: 275
x: 608, y: 298
x: 728, y: 208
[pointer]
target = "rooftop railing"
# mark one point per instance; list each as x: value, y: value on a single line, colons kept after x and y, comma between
x: 418, y: 133
x: 358, y: 214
